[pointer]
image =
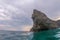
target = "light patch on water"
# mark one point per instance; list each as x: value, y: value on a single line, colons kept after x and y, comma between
x: 58, y: 28
x: 57, y: 35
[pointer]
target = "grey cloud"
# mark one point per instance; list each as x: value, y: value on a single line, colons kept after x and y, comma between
x: 49, y: 7
x: 20, y: 14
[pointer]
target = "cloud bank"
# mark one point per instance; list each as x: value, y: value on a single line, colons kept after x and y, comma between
x: 16, y: 14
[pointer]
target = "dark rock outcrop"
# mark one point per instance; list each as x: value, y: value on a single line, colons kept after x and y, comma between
x: 42, y: 22
x: 58, y: 23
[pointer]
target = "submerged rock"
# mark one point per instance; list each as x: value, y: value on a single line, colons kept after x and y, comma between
x: 42, y: 22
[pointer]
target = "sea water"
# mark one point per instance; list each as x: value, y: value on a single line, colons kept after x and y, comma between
x: 21, y: 35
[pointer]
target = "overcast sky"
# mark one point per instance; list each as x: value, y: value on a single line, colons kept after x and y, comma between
x: 15, y: 15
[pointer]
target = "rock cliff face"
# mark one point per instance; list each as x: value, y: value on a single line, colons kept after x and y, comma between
x: 42, y: 22
x: 58, y: 22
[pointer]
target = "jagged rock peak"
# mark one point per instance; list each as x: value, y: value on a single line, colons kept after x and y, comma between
x: 38, y: 12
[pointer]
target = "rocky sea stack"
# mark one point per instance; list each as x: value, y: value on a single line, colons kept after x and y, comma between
x: 42, y: 22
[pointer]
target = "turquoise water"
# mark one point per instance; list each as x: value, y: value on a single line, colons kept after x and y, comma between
x: 18, y: 35
x: 47, y: 35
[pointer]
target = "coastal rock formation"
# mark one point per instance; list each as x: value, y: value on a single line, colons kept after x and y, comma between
x: 42, y: 22
x: 58, y: 23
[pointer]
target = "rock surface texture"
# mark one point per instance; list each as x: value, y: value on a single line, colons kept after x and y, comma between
x: 58, y: 22
x: 42, y: 22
